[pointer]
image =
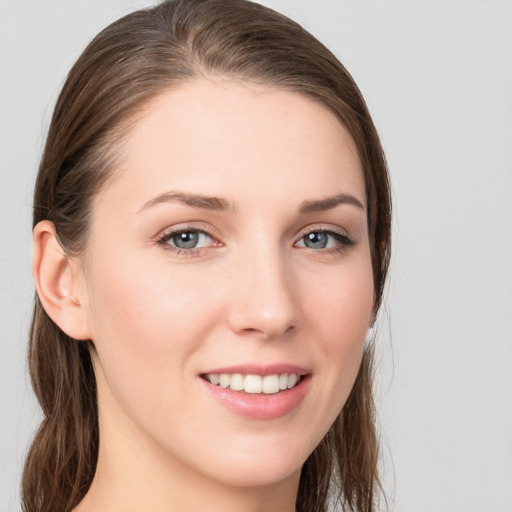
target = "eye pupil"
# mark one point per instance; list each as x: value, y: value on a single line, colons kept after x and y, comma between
x: 185, y: 239
x: 316, y: 240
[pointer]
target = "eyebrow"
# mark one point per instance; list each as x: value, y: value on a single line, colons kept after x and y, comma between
x: 329, y: 203
x: 221, y: 204
x: 194, y: 200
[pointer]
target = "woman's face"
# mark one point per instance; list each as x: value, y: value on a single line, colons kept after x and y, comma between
x: 231, y: 246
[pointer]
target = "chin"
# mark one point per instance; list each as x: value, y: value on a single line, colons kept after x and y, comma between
x: 261, y: 462
x: 257, y: 473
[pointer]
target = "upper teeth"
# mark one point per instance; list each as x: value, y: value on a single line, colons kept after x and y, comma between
x: 254, y: 383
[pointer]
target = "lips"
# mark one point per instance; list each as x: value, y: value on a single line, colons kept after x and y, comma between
x: 258, y: 392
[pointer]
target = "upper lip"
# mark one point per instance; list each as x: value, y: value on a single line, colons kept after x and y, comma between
x: 259, y: 369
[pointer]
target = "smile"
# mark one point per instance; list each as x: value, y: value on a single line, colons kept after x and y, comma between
x: 258, y: 392
x: 254, y: 384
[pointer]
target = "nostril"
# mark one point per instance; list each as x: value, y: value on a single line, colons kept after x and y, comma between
x: 267, y: 332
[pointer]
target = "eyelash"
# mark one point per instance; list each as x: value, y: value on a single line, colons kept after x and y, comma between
x: 165, y: 237
x: 344, y: 241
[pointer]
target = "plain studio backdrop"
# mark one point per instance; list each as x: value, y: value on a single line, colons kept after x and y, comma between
x: 437, y: 76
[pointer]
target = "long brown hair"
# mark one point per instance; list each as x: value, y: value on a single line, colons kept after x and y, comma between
x: 126, y: 65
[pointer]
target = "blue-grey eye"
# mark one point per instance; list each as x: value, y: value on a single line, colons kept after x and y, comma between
x: 188, y: 239
x: 316, y: 240
x: 324, y: 240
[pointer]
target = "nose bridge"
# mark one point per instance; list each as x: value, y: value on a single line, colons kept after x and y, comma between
x: 265, y: 302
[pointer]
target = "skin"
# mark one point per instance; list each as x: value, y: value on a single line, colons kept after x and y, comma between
x: 252, y: 292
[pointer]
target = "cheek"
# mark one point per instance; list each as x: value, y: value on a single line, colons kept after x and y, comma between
x: 341, y: 314
x: 146, y: 323
x: 146, y: 301
x: 343, y: 308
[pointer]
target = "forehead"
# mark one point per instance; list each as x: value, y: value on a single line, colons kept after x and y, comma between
x: 238, y: 139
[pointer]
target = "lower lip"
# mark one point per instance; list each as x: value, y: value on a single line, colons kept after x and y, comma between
x: 260, y: 406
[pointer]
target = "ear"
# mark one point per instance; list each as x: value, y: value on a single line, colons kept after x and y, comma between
x: 59, y: 282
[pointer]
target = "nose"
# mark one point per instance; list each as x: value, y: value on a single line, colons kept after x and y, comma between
x: 265, y: 302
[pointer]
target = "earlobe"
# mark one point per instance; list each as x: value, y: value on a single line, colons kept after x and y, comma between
x: 56, y: 279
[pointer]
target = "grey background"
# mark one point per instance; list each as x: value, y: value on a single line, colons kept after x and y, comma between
x: 437, y: 76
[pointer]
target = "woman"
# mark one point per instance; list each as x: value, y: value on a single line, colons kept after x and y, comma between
x: 212, y: 236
